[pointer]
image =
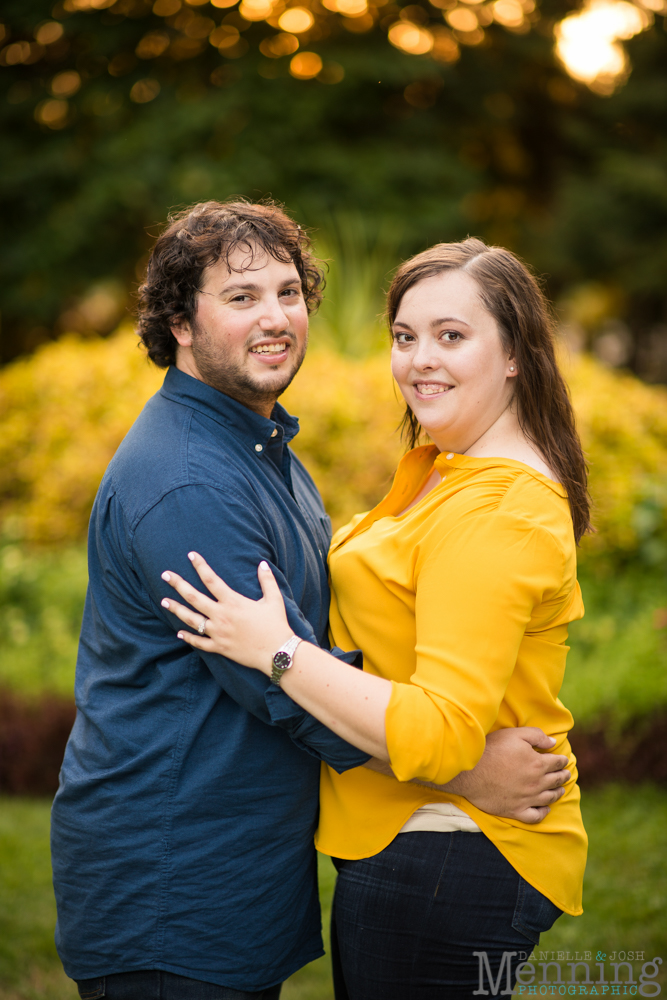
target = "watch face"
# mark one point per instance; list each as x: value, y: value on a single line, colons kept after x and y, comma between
x: 282, y: 660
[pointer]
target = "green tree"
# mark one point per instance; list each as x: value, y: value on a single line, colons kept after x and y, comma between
x: 129, y: 112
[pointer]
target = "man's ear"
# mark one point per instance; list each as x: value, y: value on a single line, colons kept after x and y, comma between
x: 182, y: 331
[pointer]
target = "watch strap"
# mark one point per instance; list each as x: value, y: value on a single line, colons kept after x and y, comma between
x: 283, y: 658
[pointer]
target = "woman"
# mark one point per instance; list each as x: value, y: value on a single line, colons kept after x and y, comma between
x: 459, y: 587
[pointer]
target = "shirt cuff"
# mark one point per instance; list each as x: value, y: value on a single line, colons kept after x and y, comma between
x: 307, y: 732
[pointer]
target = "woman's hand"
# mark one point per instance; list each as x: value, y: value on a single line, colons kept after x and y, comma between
x: 249, y: 632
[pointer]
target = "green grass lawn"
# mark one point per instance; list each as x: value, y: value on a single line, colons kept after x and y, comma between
x: 625, y: 894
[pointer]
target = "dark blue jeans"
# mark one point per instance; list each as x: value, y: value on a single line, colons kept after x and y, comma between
x: 153, y: 984
x: 406, y: 923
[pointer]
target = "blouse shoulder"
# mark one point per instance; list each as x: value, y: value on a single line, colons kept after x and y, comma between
x: 513, y: 495
x: 535, y: 500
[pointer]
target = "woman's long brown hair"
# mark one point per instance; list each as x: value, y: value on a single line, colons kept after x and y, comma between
x: 512, y: 295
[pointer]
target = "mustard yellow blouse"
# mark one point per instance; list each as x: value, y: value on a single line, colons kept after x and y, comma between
x: 463, y: 602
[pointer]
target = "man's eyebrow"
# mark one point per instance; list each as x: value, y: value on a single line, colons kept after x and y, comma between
x: 251, y: 286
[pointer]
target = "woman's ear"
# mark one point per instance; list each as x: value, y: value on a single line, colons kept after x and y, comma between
x: 511, y: 369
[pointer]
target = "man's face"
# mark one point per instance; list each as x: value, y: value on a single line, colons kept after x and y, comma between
x: 249, y: 335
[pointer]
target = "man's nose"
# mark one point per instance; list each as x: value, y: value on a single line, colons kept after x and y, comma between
x: 273, y: 316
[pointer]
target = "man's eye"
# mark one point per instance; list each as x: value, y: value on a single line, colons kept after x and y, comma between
x: 290, y: 292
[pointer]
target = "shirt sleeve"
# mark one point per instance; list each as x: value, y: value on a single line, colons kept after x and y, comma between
x: 476, y: 589
x: 233, y: 539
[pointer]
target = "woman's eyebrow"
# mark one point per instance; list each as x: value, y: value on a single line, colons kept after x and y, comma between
x: 449, y: 319
x: 434, y: 323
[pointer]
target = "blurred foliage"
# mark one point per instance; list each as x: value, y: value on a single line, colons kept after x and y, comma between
x: 102, y: 134
x: 617, y: 665
x: 359, y: 259
x: 624, y: 895
x: 63, y: 414
x: 64, y: 411
x: 623, y: 426
x: 41, y: 603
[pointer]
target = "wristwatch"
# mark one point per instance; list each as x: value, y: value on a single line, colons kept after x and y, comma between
x: 283, y: 659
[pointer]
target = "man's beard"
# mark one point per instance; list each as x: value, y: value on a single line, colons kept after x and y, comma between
x: 229, y: 377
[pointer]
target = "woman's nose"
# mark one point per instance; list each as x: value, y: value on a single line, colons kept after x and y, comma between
x: 425, y: 355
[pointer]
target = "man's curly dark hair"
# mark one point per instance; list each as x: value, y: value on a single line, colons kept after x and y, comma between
x: 198, y: 237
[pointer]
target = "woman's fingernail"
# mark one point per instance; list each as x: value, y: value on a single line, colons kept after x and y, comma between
x: 553, y: 740
x: 165, y: 603
x: 179, y: 635
x: 191, y: 556
x: 166, y: 577
x: 263, y: 564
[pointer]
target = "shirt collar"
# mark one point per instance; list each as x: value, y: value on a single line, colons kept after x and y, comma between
x: 251, y: 427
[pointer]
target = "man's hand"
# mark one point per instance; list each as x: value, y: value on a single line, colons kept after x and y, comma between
x: 511, y: 779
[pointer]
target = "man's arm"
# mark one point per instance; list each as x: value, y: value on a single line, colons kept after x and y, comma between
x: 511, y: 778
x: 233, y: 538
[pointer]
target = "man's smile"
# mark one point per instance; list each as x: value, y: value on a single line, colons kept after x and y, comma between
x: 271, y: 350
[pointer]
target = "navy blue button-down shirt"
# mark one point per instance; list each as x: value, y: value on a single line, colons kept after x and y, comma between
x: 182, y: 832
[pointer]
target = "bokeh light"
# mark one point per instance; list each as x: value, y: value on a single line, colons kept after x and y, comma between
x: 587, y: 43
x: 295, y: 20
x: 144, y: 91
x: 49, y: 32
x: 283, y: 44
x: 462, y: 18
x: 305, y: 65
x: 65, y: 84
x: 256, y: 10
x: 52, y: 113
x: 410, y: 38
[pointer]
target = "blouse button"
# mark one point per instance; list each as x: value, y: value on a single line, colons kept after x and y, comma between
x: 274, y: 432
x: 451, y: 455
x: 259, y: 447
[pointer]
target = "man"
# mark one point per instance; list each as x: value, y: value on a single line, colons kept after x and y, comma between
x: 182, y: 830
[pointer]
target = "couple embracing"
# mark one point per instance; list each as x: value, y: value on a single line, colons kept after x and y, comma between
x: 238, y: 701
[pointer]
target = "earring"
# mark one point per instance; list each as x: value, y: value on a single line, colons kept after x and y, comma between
x: 512, y: 369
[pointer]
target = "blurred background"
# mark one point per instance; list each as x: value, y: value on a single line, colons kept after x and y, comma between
x: 385, y: 128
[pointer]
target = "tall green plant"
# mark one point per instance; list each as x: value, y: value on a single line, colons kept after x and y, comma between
x: 360, y: 253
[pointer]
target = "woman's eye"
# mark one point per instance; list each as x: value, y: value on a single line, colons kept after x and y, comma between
x: 451, y: 336
x: 403, y: 338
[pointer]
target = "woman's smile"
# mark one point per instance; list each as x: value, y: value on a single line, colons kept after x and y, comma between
x: 431, y: 388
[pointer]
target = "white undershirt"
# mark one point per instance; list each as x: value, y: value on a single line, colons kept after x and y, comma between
x: 440, y: 817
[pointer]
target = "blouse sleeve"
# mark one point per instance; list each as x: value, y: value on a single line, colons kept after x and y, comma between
x: 477, y: 586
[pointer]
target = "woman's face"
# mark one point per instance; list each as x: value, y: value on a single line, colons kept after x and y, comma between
x: 449, y: 360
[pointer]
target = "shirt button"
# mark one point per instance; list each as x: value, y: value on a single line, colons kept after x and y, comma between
x: 451, y: 455
x: 259, y: 447
x: 274, y: 432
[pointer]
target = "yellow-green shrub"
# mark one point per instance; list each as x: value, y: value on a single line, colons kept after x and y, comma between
x: 64, y: 411
x: 623, y: 425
